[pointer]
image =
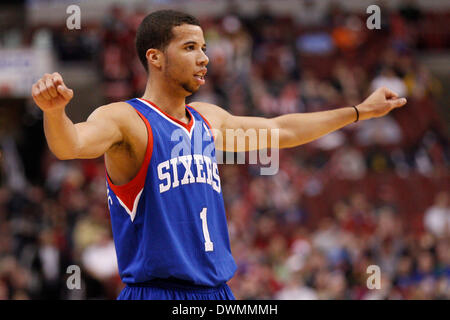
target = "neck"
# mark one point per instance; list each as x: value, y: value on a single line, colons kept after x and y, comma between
x: 166, y: 99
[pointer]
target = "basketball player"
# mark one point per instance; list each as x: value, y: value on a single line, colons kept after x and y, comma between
x: 163, y: 186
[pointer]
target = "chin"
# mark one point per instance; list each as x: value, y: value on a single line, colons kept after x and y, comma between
x: 190, y: 89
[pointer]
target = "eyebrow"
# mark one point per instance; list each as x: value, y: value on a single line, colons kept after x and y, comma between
x: 193, y: 42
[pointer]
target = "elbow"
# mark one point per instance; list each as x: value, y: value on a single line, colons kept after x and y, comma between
x: 64, y: 155
x: 289, y: 139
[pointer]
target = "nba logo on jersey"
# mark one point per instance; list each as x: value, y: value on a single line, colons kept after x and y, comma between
x: 169, y: 221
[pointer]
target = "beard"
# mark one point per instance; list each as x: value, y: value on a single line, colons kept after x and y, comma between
x: 186, y: 85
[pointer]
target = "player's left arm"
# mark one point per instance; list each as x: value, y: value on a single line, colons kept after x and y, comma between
x: 293, y: 129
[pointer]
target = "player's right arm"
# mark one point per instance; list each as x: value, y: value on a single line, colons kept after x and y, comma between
x: 85, y: 140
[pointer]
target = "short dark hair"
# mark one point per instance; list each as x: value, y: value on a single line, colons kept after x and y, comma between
x: 155, y: 31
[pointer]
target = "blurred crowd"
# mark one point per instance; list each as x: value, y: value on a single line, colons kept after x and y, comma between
x: 374, y: 193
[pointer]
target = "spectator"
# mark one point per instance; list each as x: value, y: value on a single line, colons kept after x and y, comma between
x: 437, y: 217
x: 336, y: 206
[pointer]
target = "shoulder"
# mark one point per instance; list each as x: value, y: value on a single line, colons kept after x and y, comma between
x: 113, y: 110
x: 204, y: 106
x: 119, y: 118
x: 119, y: 113
x: 215, y: 115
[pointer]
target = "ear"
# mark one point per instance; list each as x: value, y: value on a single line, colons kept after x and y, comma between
x: 154, y: 58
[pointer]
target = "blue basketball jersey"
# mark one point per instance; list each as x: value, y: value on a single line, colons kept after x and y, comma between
x: 169, y: 220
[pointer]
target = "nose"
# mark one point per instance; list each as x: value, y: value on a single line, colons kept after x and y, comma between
x: 203, y: 59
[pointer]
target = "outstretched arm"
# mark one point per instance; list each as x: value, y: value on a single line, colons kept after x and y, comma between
x: 293, y: 129
x: 65, y: 139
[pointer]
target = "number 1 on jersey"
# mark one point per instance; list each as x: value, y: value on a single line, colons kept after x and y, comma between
x: 208, y: 244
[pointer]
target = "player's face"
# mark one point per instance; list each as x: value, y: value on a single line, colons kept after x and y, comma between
x: 185, y: 58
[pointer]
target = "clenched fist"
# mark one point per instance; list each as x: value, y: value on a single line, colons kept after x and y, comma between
x: 50, y: 93
x: 379, y: 103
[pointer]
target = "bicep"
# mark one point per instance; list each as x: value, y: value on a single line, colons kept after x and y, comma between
x: 97, y: 134
x: 241, y: 133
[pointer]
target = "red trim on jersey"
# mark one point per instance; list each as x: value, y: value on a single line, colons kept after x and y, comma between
x: 127, y: 192
x: 204, y: 119
x: 181, y: 123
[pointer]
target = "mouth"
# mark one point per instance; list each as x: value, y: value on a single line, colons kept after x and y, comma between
x: 200, y: 77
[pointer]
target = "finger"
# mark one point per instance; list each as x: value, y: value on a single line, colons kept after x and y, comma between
x: 57, y: 79
x: 43, y: 90
x: 34, y: 90
x: 36, y: 94
x: 396, y: 103
x: 51, y: 87
x: 65, y: 92
x: 389, y: 94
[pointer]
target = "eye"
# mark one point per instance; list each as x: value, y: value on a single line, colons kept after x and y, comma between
x: 204, y: 49
x: 189, y: 48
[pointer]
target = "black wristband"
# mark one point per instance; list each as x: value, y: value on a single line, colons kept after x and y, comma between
x: 357, y: 113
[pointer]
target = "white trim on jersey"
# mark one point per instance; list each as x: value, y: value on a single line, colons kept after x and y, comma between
x: 170, y: 120
x: 135, y: 205
x: 207, y: 129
